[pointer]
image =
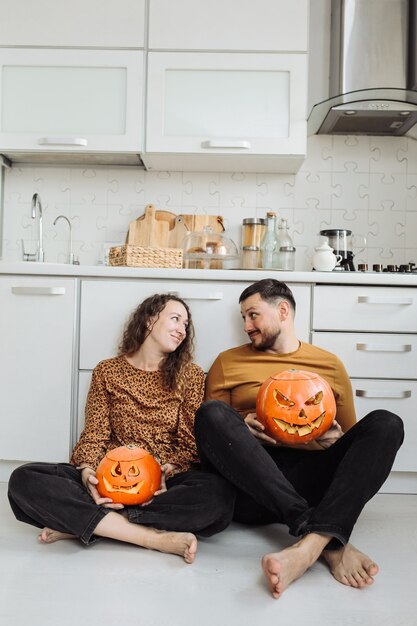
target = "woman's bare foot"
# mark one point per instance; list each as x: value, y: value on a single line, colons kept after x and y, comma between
x: 351, y: 567
x: 48, y: 535
x: 116, y: 526
x: 282, y: 568
x: 183, y: 544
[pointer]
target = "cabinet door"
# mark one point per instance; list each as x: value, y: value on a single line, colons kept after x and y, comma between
x: 264, y: 25
x: 59, y: 23
x: 71, y: 100
x: 106, y: 306
x: 399, y: 397
x: 226, y: 105
x: 37, y: 318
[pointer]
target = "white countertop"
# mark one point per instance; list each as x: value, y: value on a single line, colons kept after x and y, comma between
x: 100, y: 271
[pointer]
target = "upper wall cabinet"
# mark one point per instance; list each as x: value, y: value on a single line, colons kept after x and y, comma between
x: 71, y: 101
x: 226, y: 111
x: 240, y: 25
x: 60, y: 23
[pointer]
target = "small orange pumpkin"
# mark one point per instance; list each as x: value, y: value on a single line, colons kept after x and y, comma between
x: 295, y: 406
x: 129, y: 475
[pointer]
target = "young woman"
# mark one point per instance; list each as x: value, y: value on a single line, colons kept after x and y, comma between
x: 148, y: 396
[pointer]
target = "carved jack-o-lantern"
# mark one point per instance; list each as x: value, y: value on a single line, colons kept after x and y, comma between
x: 295, y: 406
x: 129, y: 475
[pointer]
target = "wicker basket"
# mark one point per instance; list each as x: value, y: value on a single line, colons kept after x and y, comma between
x: 138, y: 256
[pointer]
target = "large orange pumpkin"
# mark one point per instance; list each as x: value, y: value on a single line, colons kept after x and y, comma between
x: 129, y: 475
x: 295, y: 406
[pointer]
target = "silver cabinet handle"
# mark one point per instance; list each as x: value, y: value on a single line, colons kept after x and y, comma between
x: 383, y: 347
x: 62, y: 141
x: 219, y: 143
x: 373, y: 300
x: 38, y: 291
x: 383, y: 393
x: 214, y: 295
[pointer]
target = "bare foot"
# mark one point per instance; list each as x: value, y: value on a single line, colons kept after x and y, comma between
x: 282, y: 568
x: 183, y: 544
x: 48, y: 535
x: 351, y: 567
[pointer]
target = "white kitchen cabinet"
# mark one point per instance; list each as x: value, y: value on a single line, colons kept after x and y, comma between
x: 106, y: 306
x: 59, y: 23
x: 77, y: 101
x: 398, y: 397
x: 264, y: 25
x: 37, y: 338
x: 373, y: 330
x: 373, y: 309
x: 205, y: 111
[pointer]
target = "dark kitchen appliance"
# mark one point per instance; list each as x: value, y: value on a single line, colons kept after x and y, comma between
x: 340, y: 240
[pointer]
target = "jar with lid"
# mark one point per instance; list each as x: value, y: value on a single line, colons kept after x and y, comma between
x: 269, y: 245
x: 285, y: 247
x: 250, y: 257
x: 253, y: 232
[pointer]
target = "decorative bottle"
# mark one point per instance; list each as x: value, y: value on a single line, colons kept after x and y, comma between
x: 269, y: 244
x: 285, y: 247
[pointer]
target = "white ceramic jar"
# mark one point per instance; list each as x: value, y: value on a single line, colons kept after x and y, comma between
x: 324, y: 259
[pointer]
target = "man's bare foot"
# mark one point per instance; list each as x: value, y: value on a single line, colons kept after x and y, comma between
x: 351, y: 567
x: 282, y: 568
x: 183, y: 544
x: 48, y: 535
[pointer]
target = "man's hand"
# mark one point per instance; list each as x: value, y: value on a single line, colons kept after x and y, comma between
x: 257, y: 429
x: 330, y: 436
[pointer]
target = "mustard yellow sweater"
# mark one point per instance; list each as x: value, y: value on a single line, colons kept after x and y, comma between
x: 237, y: 374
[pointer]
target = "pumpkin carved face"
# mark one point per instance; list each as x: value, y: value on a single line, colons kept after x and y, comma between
x: 295, y: 406
x: 129, y: 475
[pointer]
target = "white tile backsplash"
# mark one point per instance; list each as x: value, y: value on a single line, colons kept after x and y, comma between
x: 368, y: 185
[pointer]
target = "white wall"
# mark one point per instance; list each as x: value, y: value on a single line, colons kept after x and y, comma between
x: 368, y: 185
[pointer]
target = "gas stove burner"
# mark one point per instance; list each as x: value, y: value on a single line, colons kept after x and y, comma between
x: 404, y: 268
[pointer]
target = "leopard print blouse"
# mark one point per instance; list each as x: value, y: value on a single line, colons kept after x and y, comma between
x: 127, y: 405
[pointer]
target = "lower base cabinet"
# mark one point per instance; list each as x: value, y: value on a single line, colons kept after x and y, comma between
x: 37, y: 338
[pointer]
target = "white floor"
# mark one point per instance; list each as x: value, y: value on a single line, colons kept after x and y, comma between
x: 111, y: 583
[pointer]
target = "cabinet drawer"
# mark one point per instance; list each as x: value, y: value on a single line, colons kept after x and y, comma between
x: 389, y: 309
x: 398, y: 397
x: 367, y: 355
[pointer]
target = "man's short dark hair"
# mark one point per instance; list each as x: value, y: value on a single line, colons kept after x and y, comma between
x: 269, y: 290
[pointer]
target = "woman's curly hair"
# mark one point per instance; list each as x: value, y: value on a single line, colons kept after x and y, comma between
x: 174, y: 366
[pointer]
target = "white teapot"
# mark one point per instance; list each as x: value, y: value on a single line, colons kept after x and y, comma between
x: 324, y: 259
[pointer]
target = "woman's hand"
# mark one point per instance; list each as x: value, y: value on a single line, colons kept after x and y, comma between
x: 257, y: 429
x: 167, y: 470
x: 89, y: 480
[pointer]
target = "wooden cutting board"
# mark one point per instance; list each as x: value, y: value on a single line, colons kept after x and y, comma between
x: 148, y: 231
x: 196, y: 223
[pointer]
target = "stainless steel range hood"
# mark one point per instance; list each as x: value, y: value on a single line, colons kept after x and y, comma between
x: 373, y: 70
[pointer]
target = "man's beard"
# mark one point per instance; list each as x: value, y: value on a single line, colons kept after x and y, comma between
x: 267, y: 342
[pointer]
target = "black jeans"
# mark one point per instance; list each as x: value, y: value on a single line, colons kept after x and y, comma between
x: 310, y: 491
x: 52, y: 495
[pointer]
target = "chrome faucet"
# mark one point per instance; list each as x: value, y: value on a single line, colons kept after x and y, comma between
x: 71, y: 254
x: 36, y: 203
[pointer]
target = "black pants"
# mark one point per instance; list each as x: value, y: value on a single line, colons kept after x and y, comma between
x: 310, y: 491
x: 52, y: 495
